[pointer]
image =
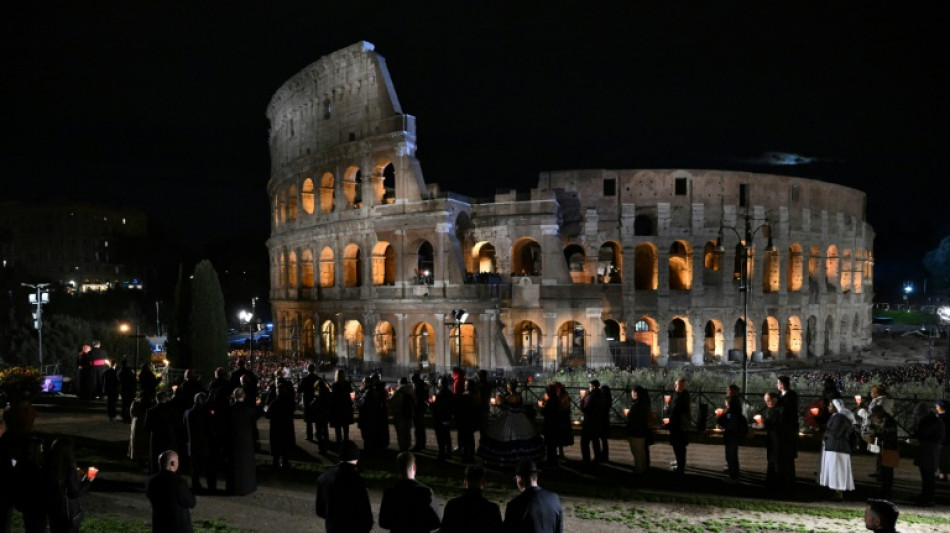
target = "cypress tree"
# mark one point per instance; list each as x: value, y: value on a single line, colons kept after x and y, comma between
x: 208, y: 335
x: 176, y: 346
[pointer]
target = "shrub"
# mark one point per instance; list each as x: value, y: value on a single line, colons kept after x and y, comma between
x: 19, y: 383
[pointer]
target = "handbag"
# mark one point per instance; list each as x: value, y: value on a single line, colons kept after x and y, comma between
x: 874, y: 447
x: 890, y: 458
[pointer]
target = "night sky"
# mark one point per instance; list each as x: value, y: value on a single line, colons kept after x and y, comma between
x: 161, y: 106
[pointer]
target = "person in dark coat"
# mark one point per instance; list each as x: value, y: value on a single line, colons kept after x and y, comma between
x: 943, y: 465
x: 306, y: 390
x: 680, y: 419
x: 160, y: 422
x: 408, y: 506
x: 735, y: 428
x: 62, y: 484
x: 638, y: 427
x: 592, y: 407
x: 567, y: 422
x: 928, y: 434
x: 319, y: 413
x: 535, y: 510
x: 883, y: 429
x: 421, y: 390
x: 342, y: 500
x: 280, y: 412
x: 788, y: 450
x: 551, y: 427
x: 241, y: 475
x: 170, y: 497
x: 219, y: 383
x: 148, y: 383
x: 27, y: 482
x: 185, y: 393
x: 604, y: 434
x: 443, y: 410
x: 365, y: 404
x: 401, y: 406
x: 471, y: 512
x: 382, y: 412
x: 110, y: 387
x: 341, y: 407
x: 772, y: 423
x: 466, y: 421
x: 127, y: 386
x: 198, y: 427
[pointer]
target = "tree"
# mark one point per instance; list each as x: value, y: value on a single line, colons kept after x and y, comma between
x: 208, y: 335
x: 176, y: 346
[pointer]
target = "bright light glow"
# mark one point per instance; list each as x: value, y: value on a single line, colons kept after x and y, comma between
x: 124, y: 328
x: 944, y: 313
x: 245, y: 316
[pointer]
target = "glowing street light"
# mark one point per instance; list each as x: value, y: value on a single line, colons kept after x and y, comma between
x: 125, y: 328
x: 246, y: 317
x: 460, y: 316
x: 38, y: 298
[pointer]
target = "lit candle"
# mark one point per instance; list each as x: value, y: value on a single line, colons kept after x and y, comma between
x: 432, y: 399
x: 494, y: 401
x: 758, y: 419
x: 667, y: 398
x: 857, y: 398
x: 719, y: 411
x: 91, y: 473
x: 577, y: 422
x: 583, y: 392
x: 666, y: 421
x: 815, y: 411
x: 541, y: 403
x: 626, y: 412
x: 353, y: 395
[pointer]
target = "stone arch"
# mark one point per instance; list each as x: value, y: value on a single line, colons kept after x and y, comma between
x: 292, y: 202
x: 384, y: 264
x: 352, y: 183
x: 771, y: 272
x: 814, y: 263
x: 327, y: 268
x: 576, y: 264
x: 857, y: 277
x: 307, y: 196
x: 422, y: 343
x: 609, y: 262
x: 292, y: 269
x: 713, y: 344
x: 306, y: 269
x: 385, y: 186
x: 283, y: 269
x: 846, y: 268
x: 832, y: 270
x: 843, y: 331
x: 384, y: 341
x: 740, y: 331
x: 527, y: 342
x: 795, y: 268
x: 328, y: 338
x: 275, y: 209
x: 352, y: 266
x: 425, y: 262
x: 326, y: 192
x: 467, y: 341
x: 643, y: 226
x: 829, y: 335
x: 811, y: 336
x: 645, y: 276
x: 770, y: 337
x: 680, y: 336
x: 612, y: 330
x: 712, y: 259
x: 483, y: 253
x: 869, y: 268
x: 793, y: 337
x: 308, y: 336
x: 353, y: 340
x: 647, y: 331
x: 282, y: 205
x: 681, y: 266
x: 572, y: 344
x: 526, y: 257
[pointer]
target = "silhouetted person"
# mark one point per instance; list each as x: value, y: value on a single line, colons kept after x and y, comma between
x: 788, y: 447
x: 342, y: 500
x: 110, y: 387
x: 535, y: 510
x: 408, y: 506
x: 880, y: 516
x: 242, y: 473
x: 305, y: 388
x: 280, y: 412
x: 148, y: 383
x: 170, y: 497
x: 421, y: 390
x: 592, y: 406
x: 680, y: 418
x: 198, y: 426
x: 127, y: 386
x: 471, y: 512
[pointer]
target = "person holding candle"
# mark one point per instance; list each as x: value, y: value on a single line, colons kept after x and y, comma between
x: 771, y: 421
x: 510, y: 437
x: 320, y: 414
x: 341, y: 407
x: 883, y: 428
x: 638, y: 427
x: 788, y: 409
x: 443, y: 410
x: 734, y: 423
x: 680, y: 418
x: 836, y: 456
x: 551, y: 429
x: 63, y: 488
x: 592, y: 407
x: 567, y: 422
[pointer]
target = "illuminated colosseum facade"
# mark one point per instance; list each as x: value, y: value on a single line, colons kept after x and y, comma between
x: 369, y: 261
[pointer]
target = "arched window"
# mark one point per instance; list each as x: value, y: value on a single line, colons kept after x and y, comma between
x: 857, y: 278
x: 467, y: 343
x: 645, y: 267
x: 328, y: 338
x: 306, y: 196
x: 292, y: 270
x: 572, y: 344
x: 292, y: 203
x: 385, y: 341
x: 712, y: 341
x: 831, y: 267
x: 740, y: 332
x: 526, y: 258
x: 814, y: 262
x: 609, y: 263
x: 425, y: 263
x: 352, y: 183
x: 770, y: 337
x: 829, y: 336
x: 771, y: 273
x: 308, y: 338
x: 327, y: 272
x: 283, y: 269
x: 528, y: 343
x: 384, y: 264
x: 389, y: 184
x: 796, y: 275
x: 306, y: 269
x: 574, y: 255
x: 793, y: 336
x: 326, y: 193
x: 646, y: 331
x: 681, y: 266
x: 846, y: 270
x: 712, y: 259
x: 353, y: 340
x: 352, y: 266
x: 422, y: 343
x: 484, y: 255
x: 679, y: 340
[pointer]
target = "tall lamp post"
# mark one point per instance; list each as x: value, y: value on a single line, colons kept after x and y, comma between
x: 460, y: 316
x: 246, y: 318
x: 944, y: 313
x: 744, y: 249
x: 125, y: 329
x: 39, y: 297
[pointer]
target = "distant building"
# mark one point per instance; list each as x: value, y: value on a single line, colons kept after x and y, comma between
x: 369, y: 263
x: 80, y: 245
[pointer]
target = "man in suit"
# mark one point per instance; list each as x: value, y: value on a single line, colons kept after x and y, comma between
x: 471, y: 512
x: 171, y: 499
x: 408, y: 506
x: 788, y: 447
x: 342, y: 500
x: 535, y: 510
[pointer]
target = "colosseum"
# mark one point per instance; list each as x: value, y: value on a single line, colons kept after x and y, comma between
x: 370, y: 264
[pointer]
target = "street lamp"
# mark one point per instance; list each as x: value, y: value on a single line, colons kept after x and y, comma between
x: 125, y: 328
x: 38, y: 298
x: 745, y: 248
x: 245, y: 317
x: 944, y: 313
x: 460, y: 316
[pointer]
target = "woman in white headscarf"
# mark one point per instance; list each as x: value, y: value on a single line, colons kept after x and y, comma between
x: 836, y: 457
